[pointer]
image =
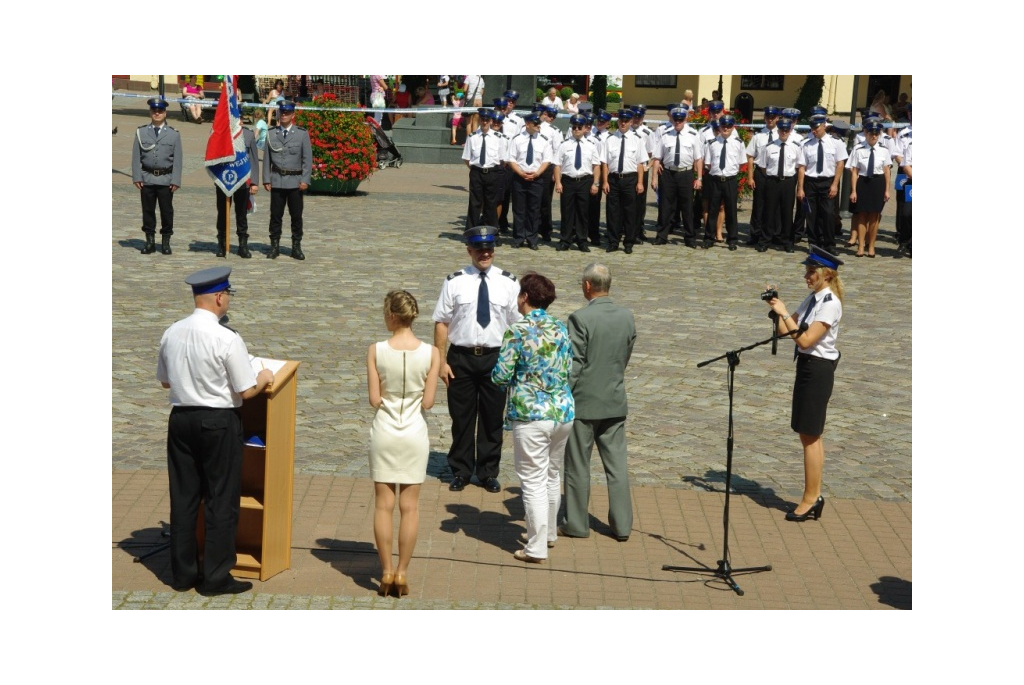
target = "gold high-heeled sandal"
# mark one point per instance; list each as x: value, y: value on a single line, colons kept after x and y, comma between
x: 386, y: 582
x: 401, y: 585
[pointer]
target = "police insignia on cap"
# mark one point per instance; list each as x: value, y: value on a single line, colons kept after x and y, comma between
x: 480, y: 236
x: 820, y: 257
x: 157, y: 103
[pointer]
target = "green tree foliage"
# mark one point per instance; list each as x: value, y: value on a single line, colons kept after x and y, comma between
x: 809, y: 95
x: 599, y: 93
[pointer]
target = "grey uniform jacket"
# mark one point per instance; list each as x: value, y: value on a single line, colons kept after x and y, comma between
x: 602, y: 335
x: 293, y: 154
x: 254, y: 155
x: 150, y: 153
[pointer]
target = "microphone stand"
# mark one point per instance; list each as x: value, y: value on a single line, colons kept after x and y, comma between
x: 725, y: 571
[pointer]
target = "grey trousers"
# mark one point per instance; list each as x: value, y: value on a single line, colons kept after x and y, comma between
x: 610, y: 437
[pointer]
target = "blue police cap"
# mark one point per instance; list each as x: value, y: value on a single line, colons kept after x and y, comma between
x: 511, y: 94
x: 287, y: 106
x: 480, y: 236
x: 212, y: 280
x: 727, y: 120
x: 672, y: 105
x: 549, y: 109
x: 716, y: 106
x: 840, y: 127
x: 590, y: 118
x: 772, y: 111
x: 485, y: 113
x: 818, y: 119
x: 577, y: 120
x: 639, y: 109
x: 714, y: 124
x: 625, y: 114
x: 679, y: 113
x: 791, y: 113
x: 537, y: 107
x: 818, y: 109
x: 532, y: 118
x: 784, y: 125
x: 498, y: 116
x: 873, y: 126
x: 603, y: 115
x: 157, y: 103
x: 819, y: 257
x: 501, y: 103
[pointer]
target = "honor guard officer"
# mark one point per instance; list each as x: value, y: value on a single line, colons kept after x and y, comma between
x: 678, y: 170
x: 647, y: 135
x: 287, y: 173
x: 625, y: 161
x: 778, y: 158
x: 529, y: 155
x: 156, y: 172
x: 477, y: 304
x: 600, y: 135
x: 756, y: 173
x: 547, y: 128
x: 206, y: 367
x: 483, y: 155
x: 723, y: 158
x: 241, y: 202
x: 819, y: 168
x: 577, y: 178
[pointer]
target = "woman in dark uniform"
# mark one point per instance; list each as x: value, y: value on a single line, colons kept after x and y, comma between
x: 815, y: 328
x: 869, y: 166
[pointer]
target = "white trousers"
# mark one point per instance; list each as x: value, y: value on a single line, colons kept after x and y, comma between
x: 539, y: 455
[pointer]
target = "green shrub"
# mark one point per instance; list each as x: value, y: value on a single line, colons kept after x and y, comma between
x: 598, y: 95
x: 566, y: 92
x: 614, y: 97
x: 540, y: 95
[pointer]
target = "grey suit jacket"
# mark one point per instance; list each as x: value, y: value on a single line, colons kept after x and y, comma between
x: 602, y: 335
x: 293, y: 154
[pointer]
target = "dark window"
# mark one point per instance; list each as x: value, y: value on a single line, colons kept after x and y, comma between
x: 761, y: 82
x: 655, y: 81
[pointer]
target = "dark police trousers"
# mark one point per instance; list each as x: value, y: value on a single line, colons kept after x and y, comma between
x: 240, y: 201
x: 477, y: 408
x: 621, y: 209
x: 721, y: 191
x: 151, y: 195
x: 279, y: 197
x: 575, y: 206
x: 204, y: 462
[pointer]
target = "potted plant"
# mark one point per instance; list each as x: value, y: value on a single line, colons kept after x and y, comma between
x: 344, y: 153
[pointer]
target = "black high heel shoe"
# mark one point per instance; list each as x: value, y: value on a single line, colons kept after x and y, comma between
x: 813, y: 512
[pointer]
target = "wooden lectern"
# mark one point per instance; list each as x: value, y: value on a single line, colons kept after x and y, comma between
x: 264, y: 542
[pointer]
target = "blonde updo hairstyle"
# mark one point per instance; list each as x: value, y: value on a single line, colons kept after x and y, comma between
x: 401, y: 306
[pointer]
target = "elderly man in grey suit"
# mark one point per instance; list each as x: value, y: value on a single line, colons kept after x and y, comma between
x: 602, y: 335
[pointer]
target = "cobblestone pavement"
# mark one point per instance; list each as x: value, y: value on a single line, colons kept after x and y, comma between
x: 405, y: 232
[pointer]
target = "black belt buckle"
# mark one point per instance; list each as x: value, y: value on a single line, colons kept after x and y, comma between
x: 479, y: 351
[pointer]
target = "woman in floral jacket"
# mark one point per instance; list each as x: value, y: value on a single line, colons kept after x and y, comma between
x: 534, y: 362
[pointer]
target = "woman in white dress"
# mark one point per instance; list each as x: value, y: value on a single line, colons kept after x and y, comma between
x: 402, y: 379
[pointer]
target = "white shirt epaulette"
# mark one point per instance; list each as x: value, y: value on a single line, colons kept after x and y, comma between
x: 506, y: 274
x: 460, y: 272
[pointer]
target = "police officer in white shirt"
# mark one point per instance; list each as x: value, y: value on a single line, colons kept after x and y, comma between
x: 778, y: 159
x: 511, y: 127
x: 548, y: 113
x: 756, y: 174
x: 723, y: 158
x: 577, y: 178
x: 529, y: 156
x: 206, y: 367
x: 483, y: 155
x: 600, y: 134
x: 647, y: 135
x: 624, y: 164
x: 903, y: 139
x: 477, y: 304
x: 678, y: 169
x: 819, y: 169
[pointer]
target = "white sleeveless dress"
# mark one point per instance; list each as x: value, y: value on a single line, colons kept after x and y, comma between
x: 399, y: 444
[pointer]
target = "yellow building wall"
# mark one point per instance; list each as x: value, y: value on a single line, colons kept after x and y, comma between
x: 657, y: 98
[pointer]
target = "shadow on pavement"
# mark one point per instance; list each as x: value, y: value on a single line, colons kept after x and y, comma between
x: 895, y: 592
x: 357, y: 560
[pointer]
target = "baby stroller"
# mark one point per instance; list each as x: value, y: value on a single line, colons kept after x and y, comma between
x: 387, y: 153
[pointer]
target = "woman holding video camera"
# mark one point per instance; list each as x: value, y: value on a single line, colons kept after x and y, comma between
x: 815, y: 327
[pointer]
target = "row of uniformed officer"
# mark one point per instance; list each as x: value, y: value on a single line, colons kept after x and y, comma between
x: 156, y: 172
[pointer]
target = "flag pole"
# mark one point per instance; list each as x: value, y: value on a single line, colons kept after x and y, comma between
x: 227, y: 224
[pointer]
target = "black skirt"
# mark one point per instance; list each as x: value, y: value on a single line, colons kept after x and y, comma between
x: 871, y: 194
x: 812, y: 390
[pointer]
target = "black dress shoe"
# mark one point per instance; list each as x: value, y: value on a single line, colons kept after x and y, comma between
x: 762, y: 248
x: 814, y: 512
x: 492, y: 485
x: 690, y: 244
x: 537, y: 247
x: 628, y: 249
x: 622, y: 538
x: 789, y: 248
x: 232, y: 587
x: 458, y: 484
x: 707, y: 244
x: 524, y: 243
x: 165, y: 245
x: 562, y: 247
x: 185, y: 587
x: 584, y: 248
x: 732, y: 246
x: 661, y: 241
x: 611, y: 248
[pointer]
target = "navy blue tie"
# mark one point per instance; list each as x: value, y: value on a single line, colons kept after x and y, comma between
x: 579, y: 156
x: 782, y: 160
x: 721, y: 160
x: 483, y: 303
x: 483, y: 151
x: 676, y: 165
x: 871, y: 164
x: 529, y: 151
x: 821, y: 157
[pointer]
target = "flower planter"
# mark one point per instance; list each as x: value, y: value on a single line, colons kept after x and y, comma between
x: 331, y: 186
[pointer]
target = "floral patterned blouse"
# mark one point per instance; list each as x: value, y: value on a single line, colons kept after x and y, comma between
x: 535, y: 360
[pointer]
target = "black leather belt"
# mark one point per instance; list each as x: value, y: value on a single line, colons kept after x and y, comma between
x: 476, y: 351
x: 679, y: 171
x: 158, y: 172
x: 487, y: 170
x: 779, y: 178
x: 585, y: 177
x: 285, y: 172
x: 723, y: 179
x: 627, y: 174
